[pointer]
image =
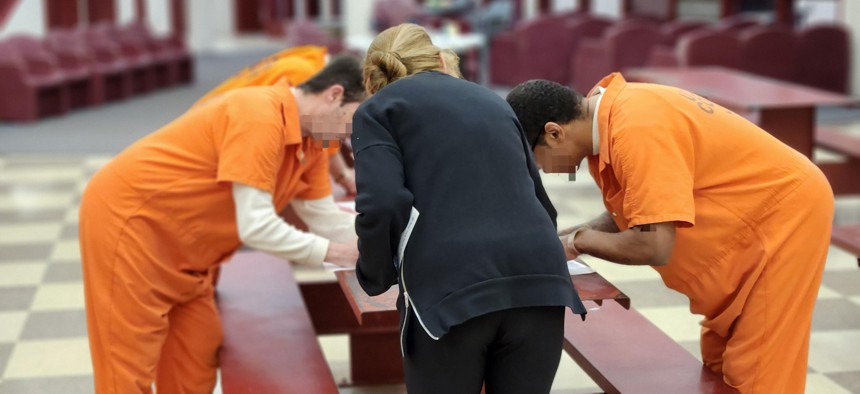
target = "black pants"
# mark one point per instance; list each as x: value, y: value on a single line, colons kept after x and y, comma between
x: 514, y: 351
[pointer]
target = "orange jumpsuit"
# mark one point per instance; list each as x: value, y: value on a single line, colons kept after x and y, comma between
x: 753, y: 223
x: 296, y: 65
x: 159, y: 218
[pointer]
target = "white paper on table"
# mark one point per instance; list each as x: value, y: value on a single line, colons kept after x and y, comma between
x: 348, y: 206
x: 332, y: 267
x: 578, y: 267
x: 404, y: 236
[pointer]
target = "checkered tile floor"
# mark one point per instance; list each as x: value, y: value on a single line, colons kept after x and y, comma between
x: 43, y: 344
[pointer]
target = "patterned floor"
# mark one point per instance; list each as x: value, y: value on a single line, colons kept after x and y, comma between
x: 43, y: 344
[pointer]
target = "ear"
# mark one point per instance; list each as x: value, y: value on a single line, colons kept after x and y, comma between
x: 554, y: 134
x: 334, y: 93
x: 442, y: 62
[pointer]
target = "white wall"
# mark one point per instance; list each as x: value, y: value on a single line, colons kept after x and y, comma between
x: 559, y: 6
x: 609, y: 8
x: 357, y: 14
x: 124, y: 11
x: 158, y: 15
x: 28, y: 17
x: 851, y: 18
x: 208, y: 22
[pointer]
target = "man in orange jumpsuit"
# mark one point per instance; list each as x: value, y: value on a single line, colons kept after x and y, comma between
x: 727, y: 214
x: 158, y: 219
x: 295, y: 65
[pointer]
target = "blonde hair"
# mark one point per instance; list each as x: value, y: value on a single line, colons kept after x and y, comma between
x: 401, y: 51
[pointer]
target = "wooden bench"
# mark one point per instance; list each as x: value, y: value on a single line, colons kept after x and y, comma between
x: 847, y: 237
x: 270, y: 345
x: 623, y: 352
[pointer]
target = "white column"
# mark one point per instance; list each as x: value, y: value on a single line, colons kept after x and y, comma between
x: 158, y: 15
x: 27, y: 18
x: 125, y: 11
x: 851, y: 17
x: 356, y: 17
x: 208, y: 22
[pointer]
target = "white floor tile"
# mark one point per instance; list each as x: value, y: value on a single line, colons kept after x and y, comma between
x: 820, y: 384
x: 72, y: 215
x: 41, y: 174
x: 835, y: 351
x: 13, y: 274
x: 677, y: 322
x: 840, y: 260
x: 619, y: 273
x: 34, y: 201
x: 66, y: 250
x: 11, y: 324
x: 825, y: 293
x: 32, y: 359
x: 26, y: 233
x: 59, y: 296
x: 570, y: 377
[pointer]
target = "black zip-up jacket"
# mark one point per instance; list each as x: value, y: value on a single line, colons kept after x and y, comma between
x: 485, y: 239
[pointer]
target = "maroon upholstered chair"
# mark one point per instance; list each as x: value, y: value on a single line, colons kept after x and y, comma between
x: 304, y: 32
x: 709, y: 47
x: 173, y: 61
x: 769, y: 51
x: 32, y: 83
x: 824, y: 57
x: 579, y: 31
x: 624, y: 45
x: 543, y: 50
x: 134, y: 51
x: 109, y: 69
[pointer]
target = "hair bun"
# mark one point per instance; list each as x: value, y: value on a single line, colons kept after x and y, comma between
x: 382, y: 68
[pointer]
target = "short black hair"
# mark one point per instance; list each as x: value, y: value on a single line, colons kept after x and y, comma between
x: 539, y: 101
x: 344, y: 71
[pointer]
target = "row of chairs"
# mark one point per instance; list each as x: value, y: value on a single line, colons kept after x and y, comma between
x: 578, y: 49
x: 818, y: 56
x: 68, y: 69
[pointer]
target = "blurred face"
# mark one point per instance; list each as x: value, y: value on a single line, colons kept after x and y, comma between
x: 562, y: 147
x: 329, y: 120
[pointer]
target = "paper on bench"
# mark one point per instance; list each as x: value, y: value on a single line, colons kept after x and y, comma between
x: 404, y: 236
x: 332, y: 267
x: 578, y: 267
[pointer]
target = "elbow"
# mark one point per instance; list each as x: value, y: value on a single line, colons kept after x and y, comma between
x: 656, y: 255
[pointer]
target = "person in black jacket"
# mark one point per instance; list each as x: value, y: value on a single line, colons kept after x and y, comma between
x: 483, y: 280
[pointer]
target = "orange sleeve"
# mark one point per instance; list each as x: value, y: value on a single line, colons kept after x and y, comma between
x: 252, y: 146
x: 317, y: 178
x: 653, y: 162
x: 296, y: 65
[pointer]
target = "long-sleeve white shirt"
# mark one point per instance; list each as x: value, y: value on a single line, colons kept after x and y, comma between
x: 261, y: 228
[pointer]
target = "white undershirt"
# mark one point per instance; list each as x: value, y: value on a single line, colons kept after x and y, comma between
x: 595, y: 133
x: 261, y: 228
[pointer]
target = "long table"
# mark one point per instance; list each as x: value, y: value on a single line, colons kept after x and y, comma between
x: 785, y: 110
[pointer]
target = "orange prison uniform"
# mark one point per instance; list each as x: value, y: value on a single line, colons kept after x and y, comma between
x: 296, y: 65
x: 159, y: 218
x: 753, y: 223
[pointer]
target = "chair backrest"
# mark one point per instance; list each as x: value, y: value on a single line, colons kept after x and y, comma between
x: 709, y: 47
x: 736, y: 23
x: 30, y: 48
x: 769, y: 51
x: 309, y: 33
x: 630, y: 44
x: 543, y: 47
x: 824, y: 57
x: 673, y: 30
x: 588, y: 27
x: 388, y: 13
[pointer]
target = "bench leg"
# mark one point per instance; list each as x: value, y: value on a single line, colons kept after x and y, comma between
x: 375, y: 357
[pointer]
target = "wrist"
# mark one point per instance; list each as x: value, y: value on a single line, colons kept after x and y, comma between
x: 571, y: 239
